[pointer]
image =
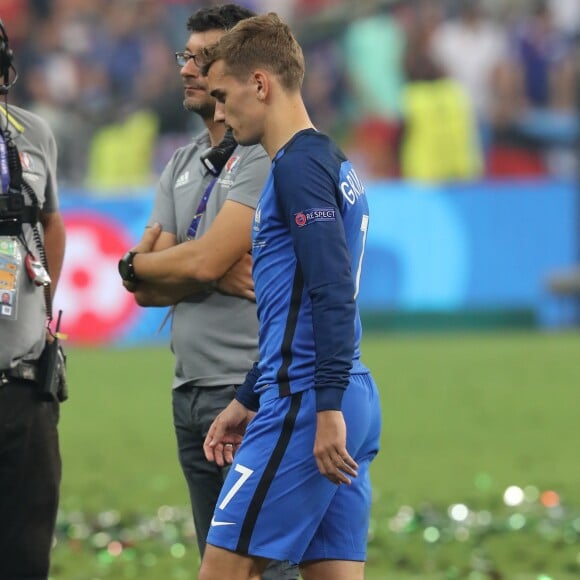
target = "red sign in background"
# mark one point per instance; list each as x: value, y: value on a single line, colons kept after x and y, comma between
x: 96, y: 308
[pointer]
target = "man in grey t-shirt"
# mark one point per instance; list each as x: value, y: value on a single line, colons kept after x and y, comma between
x: 194, y: 256
x: 30, y: 462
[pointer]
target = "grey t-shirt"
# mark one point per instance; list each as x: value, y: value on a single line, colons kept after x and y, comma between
x: 214, y: 337
x: 23, y: 322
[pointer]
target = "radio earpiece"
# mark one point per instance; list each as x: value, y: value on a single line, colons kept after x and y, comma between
x: 216, y: 157
x: 6, y: 62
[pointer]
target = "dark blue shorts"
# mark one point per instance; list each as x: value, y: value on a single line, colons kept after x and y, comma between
x: 276, y: 504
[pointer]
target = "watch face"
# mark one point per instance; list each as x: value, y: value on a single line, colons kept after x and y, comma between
x: 125, y: 269
x: 122, y: 268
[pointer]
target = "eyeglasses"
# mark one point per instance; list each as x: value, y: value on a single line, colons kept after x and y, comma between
x: 182, y: 58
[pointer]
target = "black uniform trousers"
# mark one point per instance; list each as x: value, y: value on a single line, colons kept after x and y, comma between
x: 30, y: 474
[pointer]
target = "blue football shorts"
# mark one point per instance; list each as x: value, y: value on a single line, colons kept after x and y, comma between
x: 276, y: 504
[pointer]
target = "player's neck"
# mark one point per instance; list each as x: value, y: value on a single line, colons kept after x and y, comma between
x: 216, y: 131
x: 284, y: 121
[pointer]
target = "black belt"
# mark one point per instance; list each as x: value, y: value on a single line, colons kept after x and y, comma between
x: 26, y: 371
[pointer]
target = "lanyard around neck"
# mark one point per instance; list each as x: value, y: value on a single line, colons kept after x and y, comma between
x: 192, y: 229
x: 4, y: 166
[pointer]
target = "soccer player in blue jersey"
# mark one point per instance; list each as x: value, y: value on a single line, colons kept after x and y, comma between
x: 308, y: 412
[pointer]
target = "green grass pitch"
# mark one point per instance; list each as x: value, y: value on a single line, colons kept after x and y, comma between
x: 464, y: 417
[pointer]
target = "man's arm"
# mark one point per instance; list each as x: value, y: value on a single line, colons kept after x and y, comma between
x: 54, y: 242
x: 168, y: 272
x: 236, y: 282
x: 323, y: 258
x: 221, y: 254
x: 156, y: 293
x: 205, y: 259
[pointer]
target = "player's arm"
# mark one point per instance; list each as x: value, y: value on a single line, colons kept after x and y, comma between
x: 324, y: 261
x: 228, y: 428
x: 245, y: 393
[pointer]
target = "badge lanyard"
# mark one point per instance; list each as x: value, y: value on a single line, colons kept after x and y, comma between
x: 192, y: 229
x: 4, y: 168
x: 10, y: 263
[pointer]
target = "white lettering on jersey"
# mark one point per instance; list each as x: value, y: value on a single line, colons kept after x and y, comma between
x: 351, y: 187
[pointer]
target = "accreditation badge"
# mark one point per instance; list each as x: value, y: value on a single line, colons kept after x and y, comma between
x: 10, y: 262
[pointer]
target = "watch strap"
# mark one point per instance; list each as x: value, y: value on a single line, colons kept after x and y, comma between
x: 126, y: 268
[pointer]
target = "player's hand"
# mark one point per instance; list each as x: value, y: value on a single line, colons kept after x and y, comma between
x: 332, y: 458
x: 148, y: 240
x: 238, y: 279
x: 226, y: 432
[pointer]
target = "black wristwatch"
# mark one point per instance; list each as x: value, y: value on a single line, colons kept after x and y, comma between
x: 126, y: 268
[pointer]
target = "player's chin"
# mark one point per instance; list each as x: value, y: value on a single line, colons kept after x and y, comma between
x: 245, y: 138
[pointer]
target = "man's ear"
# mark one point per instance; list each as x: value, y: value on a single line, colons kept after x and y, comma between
x: 262, y: 85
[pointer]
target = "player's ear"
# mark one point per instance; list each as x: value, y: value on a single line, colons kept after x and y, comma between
x: 262, y: 85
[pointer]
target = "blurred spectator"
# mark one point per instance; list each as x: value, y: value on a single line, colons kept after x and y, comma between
x: 306, y: 8
x: 440, y: 141
x: 473, y: 50
x: 284, y: 8
x: 121, y: 154
x: 324, y: 86
x: 40, y: 8
x: 544, y: 55
x: 373, y: 49
x: 566, y: 14
x: 14, y: 14
x: 71, y: 129
x: 548, y: 118
x: 96, y: 68
x: 372, y: 144
x: 419, y: 62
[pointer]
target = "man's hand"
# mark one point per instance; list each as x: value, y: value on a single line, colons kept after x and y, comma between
x: 332, y: 458
x: 146, y: 245
x: 148, y: 240
x: 238, y: 281
x: 226, y: 432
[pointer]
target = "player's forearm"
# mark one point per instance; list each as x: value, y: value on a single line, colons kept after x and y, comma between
x: 245, y: 394
x: 333, y: 319
x: 329, y: 282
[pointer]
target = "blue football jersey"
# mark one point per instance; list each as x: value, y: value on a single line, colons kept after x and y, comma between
x: 309, y: 235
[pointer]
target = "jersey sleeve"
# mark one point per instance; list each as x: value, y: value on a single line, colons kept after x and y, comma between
x: 254, y: 166
x: 246, y: 394
x: 307, y: 195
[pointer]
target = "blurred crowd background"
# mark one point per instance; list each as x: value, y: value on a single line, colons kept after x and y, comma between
x: 433, y: 90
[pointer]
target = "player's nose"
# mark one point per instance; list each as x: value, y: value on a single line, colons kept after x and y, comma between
x: 219, y: 115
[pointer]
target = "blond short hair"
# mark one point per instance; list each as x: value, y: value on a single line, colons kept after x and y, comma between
x: 260, y: 42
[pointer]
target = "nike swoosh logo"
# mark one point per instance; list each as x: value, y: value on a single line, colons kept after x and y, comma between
x: 216, y: 523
